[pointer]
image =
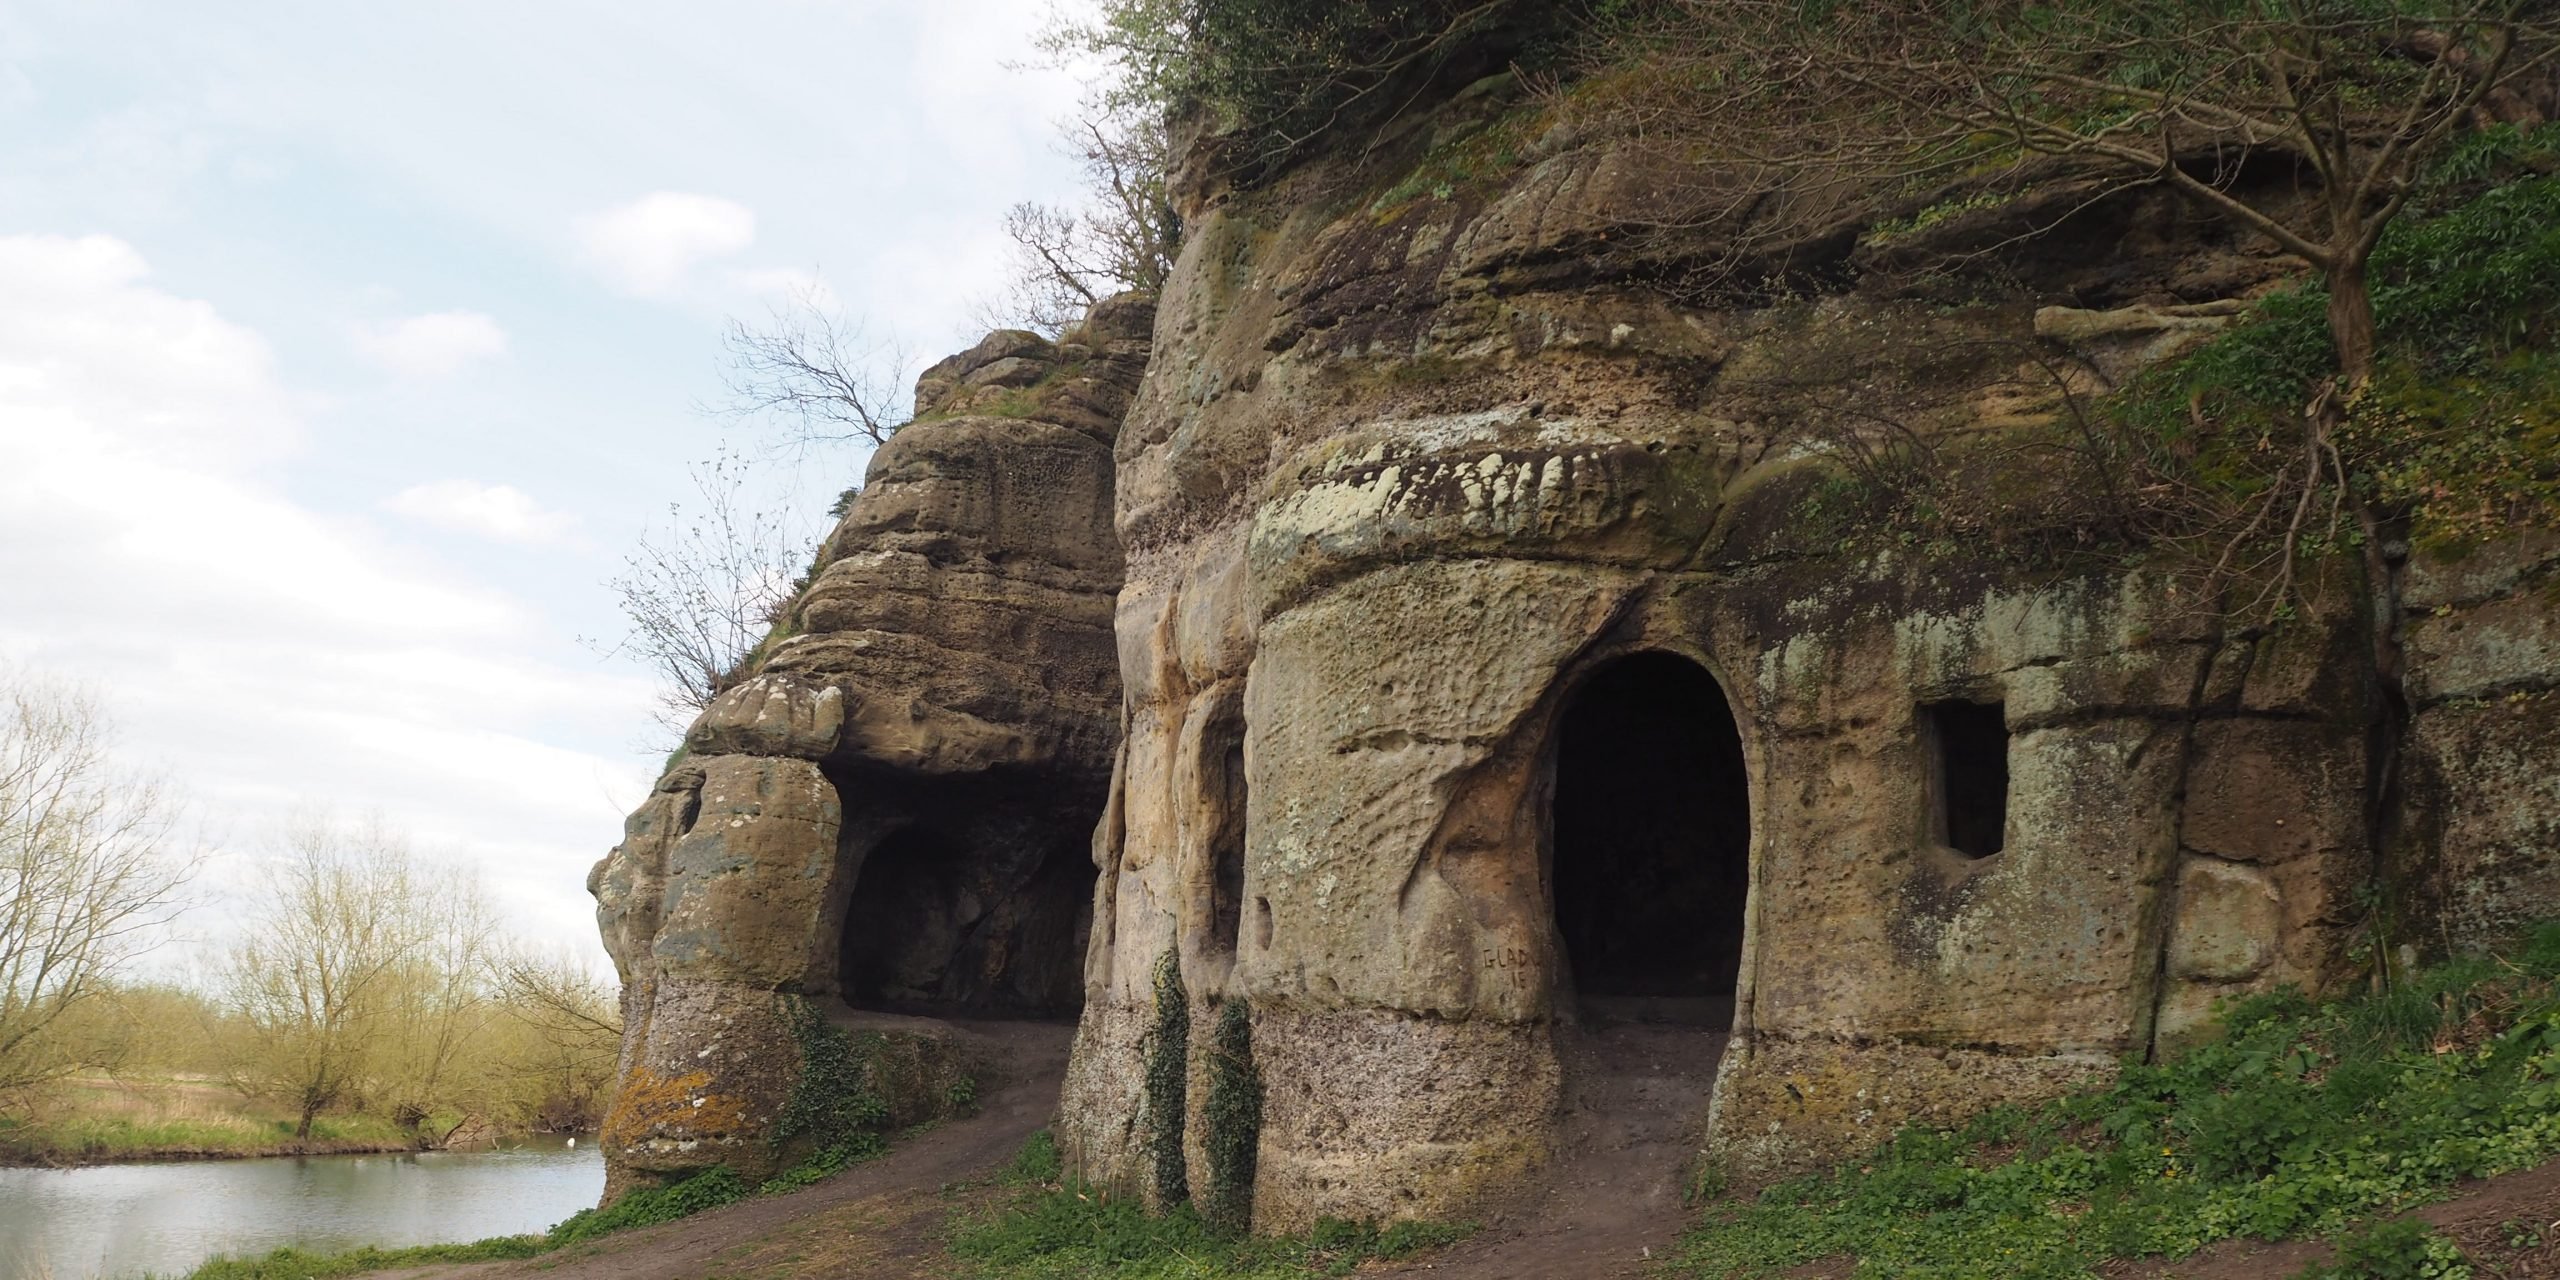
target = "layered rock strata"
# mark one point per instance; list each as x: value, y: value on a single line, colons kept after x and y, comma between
x: 889, y: 809
x: 1472, y: 631
x: 1417, y: 468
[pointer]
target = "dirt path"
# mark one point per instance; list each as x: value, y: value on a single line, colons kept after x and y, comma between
x: 1636, y: 1098
x: 885, y: 1220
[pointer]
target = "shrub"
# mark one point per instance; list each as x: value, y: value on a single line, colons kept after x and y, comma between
x: 2302, y: 1119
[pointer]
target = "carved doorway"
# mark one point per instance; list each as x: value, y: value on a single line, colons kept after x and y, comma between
x: 1650, y: 842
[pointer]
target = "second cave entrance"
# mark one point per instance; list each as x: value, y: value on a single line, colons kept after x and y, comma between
x: 968, y: 898
x: 1651, y: 841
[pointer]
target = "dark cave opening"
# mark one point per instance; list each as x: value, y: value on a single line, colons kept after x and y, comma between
x: 1968, y: 745
x: 1226, y: 854
x: 943, y: 926
x: 1652, y: 839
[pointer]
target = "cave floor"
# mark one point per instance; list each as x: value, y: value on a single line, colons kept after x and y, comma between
x: 1635, y: 1105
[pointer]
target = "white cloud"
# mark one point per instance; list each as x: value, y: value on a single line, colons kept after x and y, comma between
x: 648, y: 247
x: 266, y: 653
x: 79, y: 326
x: 498, y: 511
x: 436, y: 345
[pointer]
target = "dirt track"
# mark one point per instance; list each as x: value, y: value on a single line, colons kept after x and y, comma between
x: 1637, y: 1094
x: 886, y: 1219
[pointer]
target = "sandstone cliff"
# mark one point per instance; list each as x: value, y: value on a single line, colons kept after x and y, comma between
x: 1481, y: 625
x: 892, y: 808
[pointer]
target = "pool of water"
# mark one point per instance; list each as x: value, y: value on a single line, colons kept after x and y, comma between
x: 130, y: 1220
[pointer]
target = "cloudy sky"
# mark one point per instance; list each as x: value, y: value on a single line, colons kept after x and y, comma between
x: 345, y: 349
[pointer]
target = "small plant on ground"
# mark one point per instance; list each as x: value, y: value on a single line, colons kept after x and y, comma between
x: 2397, y: 1249
x: 2303, y: 1120
x: 833, y: 1107
x: 1062, y: 1230
x: 649, y: 1206
x: 303, y: 1264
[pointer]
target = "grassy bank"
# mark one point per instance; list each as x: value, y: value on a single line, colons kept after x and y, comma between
x: 2305, y: 1121
x: 1052, y: 1229
x: 96, y: 1120
x: 643, y: 1208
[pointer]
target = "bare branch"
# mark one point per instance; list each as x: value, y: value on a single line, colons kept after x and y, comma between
x: 703, y: 591
x: 817, y: 371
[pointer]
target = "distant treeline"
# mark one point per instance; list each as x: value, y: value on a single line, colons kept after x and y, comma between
x: 364, y: 985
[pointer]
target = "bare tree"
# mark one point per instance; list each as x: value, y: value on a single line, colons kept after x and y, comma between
x: 703, y: 592
x: 572, y: 1032
x: 311, y: 979
x: 1124, y: 236
x: 88, y: 875
x: 816, y: 371
x: 440, y: 1001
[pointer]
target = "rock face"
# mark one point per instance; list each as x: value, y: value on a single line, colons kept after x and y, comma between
x: 1493, y: 662
x: 1462, y: 639
x: 892, y: 810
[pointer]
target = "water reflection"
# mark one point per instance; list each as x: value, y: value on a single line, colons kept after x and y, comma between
x: 127, y: 1220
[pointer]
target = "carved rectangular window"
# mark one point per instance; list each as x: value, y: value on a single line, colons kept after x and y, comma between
x: 1968, y: 746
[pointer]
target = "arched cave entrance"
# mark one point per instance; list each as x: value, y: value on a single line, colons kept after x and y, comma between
x: 988, y: 922
x: 1651, y: 842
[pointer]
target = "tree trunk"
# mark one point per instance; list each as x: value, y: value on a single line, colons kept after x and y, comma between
x: 302, y: 1131
x: 2351, y: 320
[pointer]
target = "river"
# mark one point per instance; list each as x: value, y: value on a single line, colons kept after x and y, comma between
x: 125, y: 1220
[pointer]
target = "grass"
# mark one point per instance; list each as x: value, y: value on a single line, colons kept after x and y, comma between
x: 646, y: 1207
x: 833, y: 1106
x: 1052, y: 1229
x: 302, y: 1264
x: 2304, y: 1120
x: 99, y: 1119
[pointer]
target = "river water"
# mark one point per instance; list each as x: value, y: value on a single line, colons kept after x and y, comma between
x: 126, y: 1220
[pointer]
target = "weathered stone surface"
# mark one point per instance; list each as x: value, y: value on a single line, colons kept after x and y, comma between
x: 1407, y: 477
x: 936, y: 385
x: 2486, y: 784
x: 1382, y: 1117
x: 745, y: 885
x: 890, y: 806
x: 2469, y: 575
x: 1785, y: 1102
x: 771, y: 715
x: 2229, y: 921
x: 2277, y: 791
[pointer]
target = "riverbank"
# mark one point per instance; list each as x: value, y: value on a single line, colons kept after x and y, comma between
x: 133, y: 1220
x: 105, y: 1120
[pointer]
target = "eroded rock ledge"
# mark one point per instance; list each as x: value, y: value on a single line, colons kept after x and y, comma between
x: 1456, y: 642
x: 890, y: 813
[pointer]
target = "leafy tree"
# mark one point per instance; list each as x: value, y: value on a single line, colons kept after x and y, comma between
x: 1268, y: 78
